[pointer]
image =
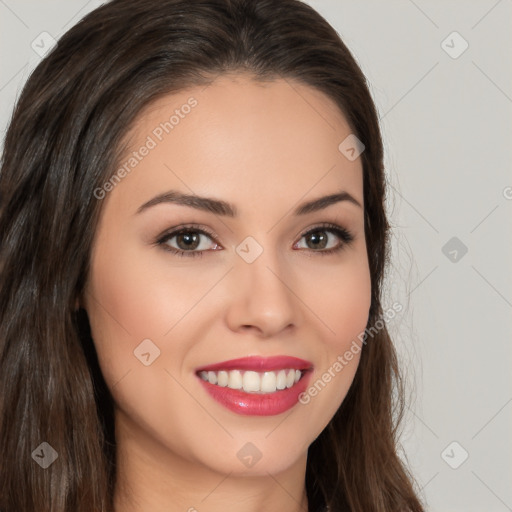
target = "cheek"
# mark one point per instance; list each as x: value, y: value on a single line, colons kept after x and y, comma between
x: 342, y: 305
x: 341, y: 300
x: 350, y: 317
x: 136, y: 296
x: 124, y: 304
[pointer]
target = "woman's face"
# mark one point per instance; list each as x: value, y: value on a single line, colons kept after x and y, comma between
x: 250, y: 282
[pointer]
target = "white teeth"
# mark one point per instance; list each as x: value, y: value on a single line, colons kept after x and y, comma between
x: 222, y: 379
x: 290, y: 378
x: 281, y: 380
x: 235, y: 380
x: 253, y: 382
x: 268, y: 382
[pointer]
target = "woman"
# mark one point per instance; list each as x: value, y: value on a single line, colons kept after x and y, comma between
x: 138, y: 376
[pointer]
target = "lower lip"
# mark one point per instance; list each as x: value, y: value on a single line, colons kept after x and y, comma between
x: 256, y: 404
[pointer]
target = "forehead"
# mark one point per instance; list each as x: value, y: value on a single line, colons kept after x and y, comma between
x: 239, y: 138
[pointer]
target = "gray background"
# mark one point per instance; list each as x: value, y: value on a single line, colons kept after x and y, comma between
x: 447, y: 125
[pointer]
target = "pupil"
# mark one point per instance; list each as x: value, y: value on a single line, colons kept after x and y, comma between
x: 191, y: 240
x: 321, y: 238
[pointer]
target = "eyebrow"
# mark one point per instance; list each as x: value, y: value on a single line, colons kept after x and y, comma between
x: 226, y: 209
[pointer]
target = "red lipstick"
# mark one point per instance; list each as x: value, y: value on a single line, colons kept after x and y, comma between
x: 259, y: 364
x: 257, y: 403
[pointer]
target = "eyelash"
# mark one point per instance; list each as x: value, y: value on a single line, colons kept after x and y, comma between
x: 342, y: 233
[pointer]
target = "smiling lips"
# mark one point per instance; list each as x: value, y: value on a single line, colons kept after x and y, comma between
x: 256, y: 385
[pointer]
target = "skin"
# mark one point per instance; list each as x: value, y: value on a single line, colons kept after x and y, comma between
x: 265, y: 148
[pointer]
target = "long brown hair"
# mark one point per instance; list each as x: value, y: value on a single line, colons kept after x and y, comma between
x: 64, y: 140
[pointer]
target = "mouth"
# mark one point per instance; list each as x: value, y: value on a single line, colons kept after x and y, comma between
x: 256, y: 385
x: 254, y: 382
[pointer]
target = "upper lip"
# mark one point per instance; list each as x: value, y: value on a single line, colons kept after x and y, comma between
x: 259, y: 363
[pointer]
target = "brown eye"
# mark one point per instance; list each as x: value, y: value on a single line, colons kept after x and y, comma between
x: 188, y: 242
x: 320, y: 237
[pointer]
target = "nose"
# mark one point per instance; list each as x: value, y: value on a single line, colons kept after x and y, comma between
x: 262, y: 296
